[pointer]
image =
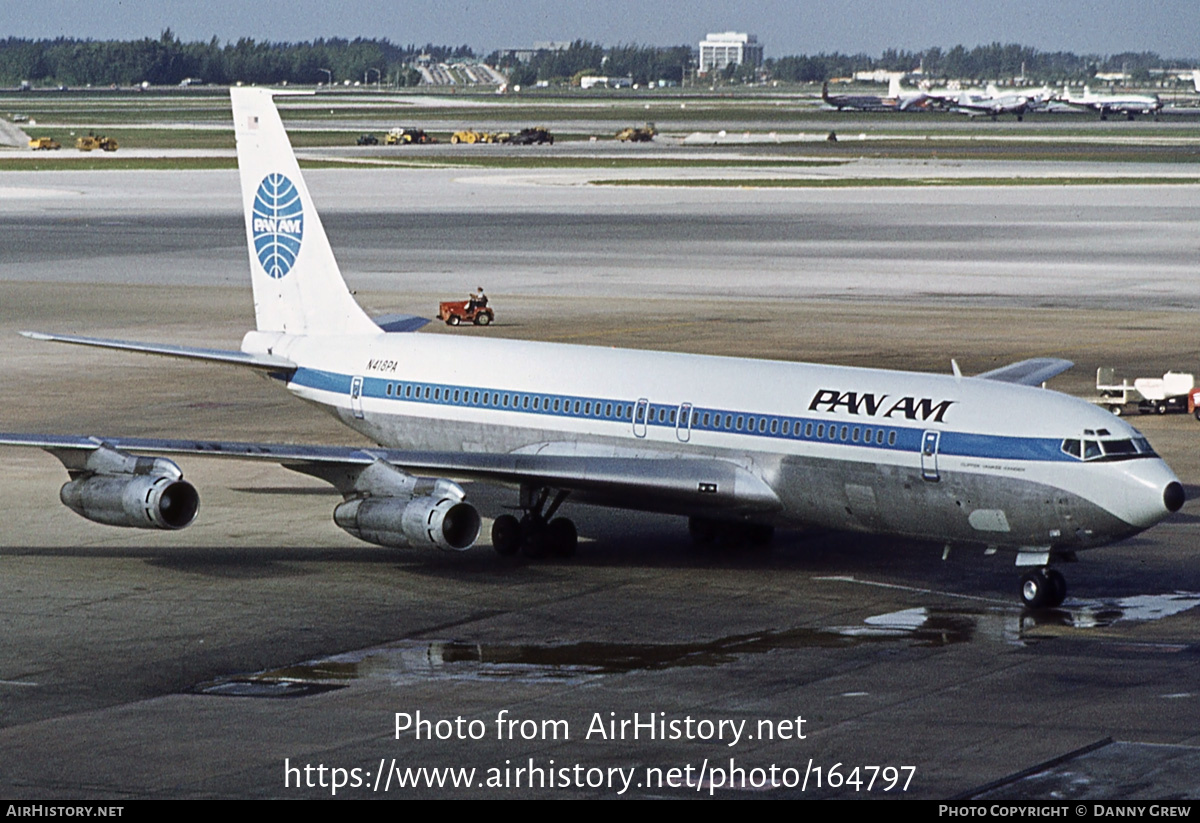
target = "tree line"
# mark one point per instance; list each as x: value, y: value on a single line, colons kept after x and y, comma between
x: 169, y: 61
x: 645, y: 64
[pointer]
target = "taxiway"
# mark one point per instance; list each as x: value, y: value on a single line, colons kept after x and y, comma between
x: 209, y: 662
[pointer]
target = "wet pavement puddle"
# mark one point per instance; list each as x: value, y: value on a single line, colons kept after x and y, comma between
x: 421, y: 660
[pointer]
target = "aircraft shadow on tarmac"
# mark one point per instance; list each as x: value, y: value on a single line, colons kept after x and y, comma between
x: 648, y: 543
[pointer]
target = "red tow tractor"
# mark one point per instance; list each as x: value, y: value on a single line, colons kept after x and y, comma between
x: 472, y: 310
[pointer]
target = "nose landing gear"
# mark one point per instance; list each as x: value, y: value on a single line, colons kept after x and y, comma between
x: 1043, y: 588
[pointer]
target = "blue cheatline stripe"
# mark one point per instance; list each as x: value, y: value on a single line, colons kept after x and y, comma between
x: 704, y: 419
x: 962, y: 444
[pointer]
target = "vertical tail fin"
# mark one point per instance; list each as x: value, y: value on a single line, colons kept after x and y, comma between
x: 298, y: 288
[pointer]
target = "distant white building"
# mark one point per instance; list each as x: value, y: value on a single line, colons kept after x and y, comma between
x: 876, y: 76
x: 721, y: 49
x: 591, y: 81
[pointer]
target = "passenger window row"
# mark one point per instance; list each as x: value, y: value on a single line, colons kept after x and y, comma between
x: 644, y: 414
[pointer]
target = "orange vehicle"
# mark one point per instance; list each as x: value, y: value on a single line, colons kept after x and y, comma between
x: 456, y: 312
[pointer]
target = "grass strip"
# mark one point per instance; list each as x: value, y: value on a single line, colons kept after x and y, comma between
x: 867, y: 182
x: 150, y: 164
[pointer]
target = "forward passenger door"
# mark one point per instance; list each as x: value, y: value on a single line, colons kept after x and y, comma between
x: 929, y: 456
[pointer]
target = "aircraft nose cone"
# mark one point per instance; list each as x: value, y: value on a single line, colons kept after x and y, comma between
x: 1173, y: 497
x: 1148, y: 492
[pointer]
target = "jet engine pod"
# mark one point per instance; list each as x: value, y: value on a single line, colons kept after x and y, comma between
x: 143, y: 501
x: 436, y: 520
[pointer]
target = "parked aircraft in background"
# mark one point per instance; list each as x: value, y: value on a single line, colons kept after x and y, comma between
x: 1129, y: 105
x: 897, y: 98
x: 982, y: 105
x: 993, y: 102
x: 857, y: 102
x: 906, y: 100
x: 738, y: 446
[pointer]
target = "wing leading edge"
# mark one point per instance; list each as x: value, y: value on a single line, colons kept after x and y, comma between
x: 668, y: 484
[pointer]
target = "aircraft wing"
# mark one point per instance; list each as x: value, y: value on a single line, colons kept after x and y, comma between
x: 668, y: 484
x: 268, y: 362
x: 1033, y: 372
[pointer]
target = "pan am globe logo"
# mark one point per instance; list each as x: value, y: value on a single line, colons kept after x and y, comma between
x: 278, y: 224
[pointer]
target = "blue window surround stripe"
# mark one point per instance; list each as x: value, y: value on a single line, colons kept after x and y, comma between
x: 907, y: 438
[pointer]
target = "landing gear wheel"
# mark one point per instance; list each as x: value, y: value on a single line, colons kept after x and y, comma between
x: 561, y: 537
x: 539, y: 532
x: 1058, y: 587
x: 703, y: 532
x: 759, y: 534
x: 729, y: 534
x: 533, y: 536
x: 1043, y: 589
x: 506, y: 535
x: 1035, y: 589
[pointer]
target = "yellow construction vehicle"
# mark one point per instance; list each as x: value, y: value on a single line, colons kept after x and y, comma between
x: 407, y: 136
x: 44, y: 144
x: 468, y: 136
x: 637, y: 135
x: 92, y: 141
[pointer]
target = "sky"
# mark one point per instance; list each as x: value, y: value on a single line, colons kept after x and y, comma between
x: 1168, y: 27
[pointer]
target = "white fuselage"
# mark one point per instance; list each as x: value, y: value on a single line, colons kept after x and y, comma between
x: 936, y: 456
x: 1125, y: 103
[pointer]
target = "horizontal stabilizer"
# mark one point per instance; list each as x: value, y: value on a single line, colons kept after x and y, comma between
x: 1033, y: 372
x: 236, y: 358
x: 400, y: 322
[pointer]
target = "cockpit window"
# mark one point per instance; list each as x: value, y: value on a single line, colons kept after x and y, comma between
x: 1107, y: 450
x: 1118, y: 447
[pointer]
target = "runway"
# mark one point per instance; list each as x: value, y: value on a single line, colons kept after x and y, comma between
x: 223, y: 660
x: 549, y: 233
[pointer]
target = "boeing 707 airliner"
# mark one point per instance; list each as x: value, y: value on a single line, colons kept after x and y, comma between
x: 738, y: 446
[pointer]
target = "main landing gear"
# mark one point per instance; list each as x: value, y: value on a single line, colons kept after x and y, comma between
x: 705, y: 532
x: 1043, y: 588
x: 538, y: 532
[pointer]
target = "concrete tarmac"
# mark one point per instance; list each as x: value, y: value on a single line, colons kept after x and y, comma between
x: 264, y: 653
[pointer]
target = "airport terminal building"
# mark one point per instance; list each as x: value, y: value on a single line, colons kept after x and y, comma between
x: 722, y: 49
